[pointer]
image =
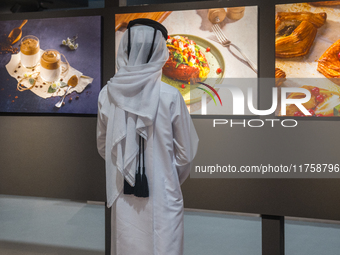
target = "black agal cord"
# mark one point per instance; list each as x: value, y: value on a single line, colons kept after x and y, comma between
x: 148, y: 22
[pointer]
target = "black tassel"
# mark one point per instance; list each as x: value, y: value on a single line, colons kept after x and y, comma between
x: 145, y: 186
x: 145, y: 191
x: 128, y: 189
x: 138, y: 177
x: 141, y: 188
x: 138, y: 185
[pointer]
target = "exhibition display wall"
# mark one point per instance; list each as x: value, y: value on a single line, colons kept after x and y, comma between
x: 192, y: 39
x: 48, y: 154
x: 56, y: 156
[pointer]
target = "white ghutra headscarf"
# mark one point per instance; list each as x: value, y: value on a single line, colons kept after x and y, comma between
x: 135, y: 92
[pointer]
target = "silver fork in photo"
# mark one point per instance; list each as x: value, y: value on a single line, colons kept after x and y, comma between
x: 227, y: 43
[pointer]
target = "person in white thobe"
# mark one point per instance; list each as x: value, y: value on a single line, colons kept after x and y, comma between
x: 135, y: 102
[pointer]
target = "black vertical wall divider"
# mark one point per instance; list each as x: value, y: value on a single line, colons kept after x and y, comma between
x: 272, y: 226
x: 107, y: 230
x: 109, y: 30
x: 82, y: 175
x: 273, y: 235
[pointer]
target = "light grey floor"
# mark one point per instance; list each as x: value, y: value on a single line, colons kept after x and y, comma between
x: 51, y: 227
x: 46, y: 226
x: 312, y: 238
x: 215, y: 234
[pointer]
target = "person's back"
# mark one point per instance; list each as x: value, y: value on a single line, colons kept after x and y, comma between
x: 153, y: 224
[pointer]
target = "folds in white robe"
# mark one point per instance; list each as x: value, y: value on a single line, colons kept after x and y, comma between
x: 153, y: 225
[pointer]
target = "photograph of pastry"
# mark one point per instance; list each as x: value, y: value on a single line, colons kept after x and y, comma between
x: 307, y: 49
x: 50, y: 65
x: 205, y: 46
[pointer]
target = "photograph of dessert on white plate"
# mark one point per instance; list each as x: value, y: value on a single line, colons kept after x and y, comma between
x: 205, y: 47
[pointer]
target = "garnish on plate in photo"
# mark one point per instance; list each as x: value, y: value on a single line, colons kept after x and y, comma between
x: 186, y: 60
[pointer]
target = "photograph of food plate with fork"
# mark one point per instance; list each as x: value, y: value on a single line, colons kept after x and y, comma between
x: 307, y: 47
x: 205, y: 47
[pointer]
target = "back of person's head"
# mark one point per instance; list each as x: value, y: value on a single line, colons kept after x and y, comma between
x: 147, y: 45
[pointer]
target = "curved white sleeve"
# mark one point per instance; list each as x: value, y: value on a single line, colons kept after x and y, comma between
x: 101, y: 127
x: 185, y: 138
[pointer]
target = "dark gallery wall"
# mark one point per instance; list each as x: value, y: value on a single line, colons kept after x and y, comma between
x: 56, y: 157
x: 51, y: 157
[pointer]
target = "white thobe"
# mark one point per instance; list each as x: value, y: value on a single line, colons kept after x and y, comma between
x: 153, y: 225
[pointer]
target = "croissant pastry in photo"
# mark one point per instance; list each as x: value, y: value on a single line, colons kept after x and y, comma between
x: 325, y: 3
x: 280, y: 77
x: 329, y: 62
x: 295, y: 32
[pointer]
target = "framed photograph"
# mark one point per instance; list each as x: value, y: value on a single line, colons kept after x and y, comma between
x: 307, y: 49
x: 50, y: 65
x: 206, y: 47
